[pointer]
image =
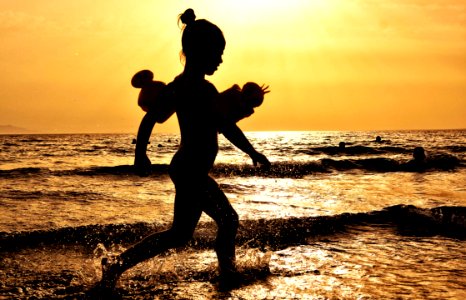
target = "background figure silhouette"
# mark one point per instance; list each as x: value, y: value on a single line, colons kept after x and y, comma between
x: 418, y: 163
x: 419, y: 155
x: 341, y: 146
x: 194, y: 100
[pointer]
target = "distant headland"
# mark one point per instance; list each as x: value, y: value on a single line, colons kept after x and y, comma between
x: 10, y: 129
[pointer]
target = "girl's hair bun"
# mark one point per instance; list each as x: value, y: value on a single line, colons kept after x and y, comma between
x: 188, y: 17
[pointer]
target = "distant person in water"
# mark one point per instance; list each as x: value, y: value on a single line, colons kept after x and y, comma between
x: 378, y: 139
x: 418, y: 162
x: 341, y: 146
x: 193, y: 99
x: 419, y: 155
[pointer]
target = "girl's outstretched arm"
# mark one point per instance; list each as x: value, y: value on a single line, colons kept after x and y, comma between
x: 141, y: 161
x: 234, y: 134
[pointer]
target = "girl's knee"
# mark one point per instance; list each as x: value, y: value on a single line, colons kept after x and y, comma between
x: 235, y: 219
x: 179, y: 237
x: 230, y: 221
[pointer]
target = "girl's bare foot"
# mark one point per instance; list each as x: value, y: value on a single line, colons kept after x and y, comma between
x: 111, y: 267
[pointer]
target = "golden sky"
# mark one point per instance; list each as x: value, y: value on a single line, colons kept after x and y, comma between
x: 65, y: 66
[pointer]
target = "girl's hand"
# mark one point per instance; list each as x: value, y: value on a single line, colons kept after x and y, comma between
x: 261, y: 159
x: 142, y: 164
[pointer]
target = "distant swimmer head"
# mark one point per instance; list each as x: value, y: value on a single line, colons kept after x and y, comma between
x: 419, y: 154
x: 378, y: 139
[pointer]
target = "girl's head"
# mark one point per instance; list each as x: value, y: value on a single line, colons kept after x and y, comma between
x: 203, y: 43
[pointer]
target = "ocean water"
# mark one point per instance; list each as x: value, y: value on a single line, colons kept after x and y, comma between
x: 359, y: 222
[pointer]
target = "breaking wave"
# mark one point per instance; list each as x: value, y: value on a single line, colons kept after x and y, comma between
x: 271, y: 233
x: 278, y: 169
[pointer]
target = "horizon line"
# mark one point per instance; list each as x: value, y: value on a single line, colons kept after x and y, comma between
x: 30, y: 132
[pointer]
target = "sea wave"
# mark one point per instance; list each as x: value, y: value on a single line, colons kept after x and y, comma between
x: 356, y: 150
x: 379, y: 164
x: 80, y: 196
x: 293, y: 169
x: 271, y: 233
x: 18, y: 172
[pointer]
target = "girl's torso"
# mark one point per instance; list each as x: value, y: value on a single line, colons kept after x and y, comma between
x: 197, y: 118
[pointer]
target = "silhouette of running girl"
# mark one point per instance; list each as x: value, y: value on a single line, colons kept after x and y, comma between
x: 193, y: 99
